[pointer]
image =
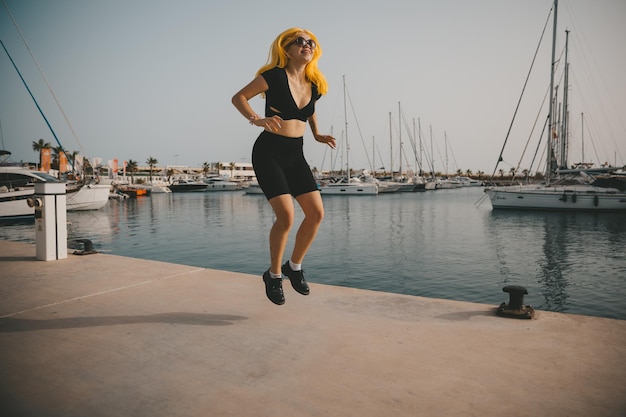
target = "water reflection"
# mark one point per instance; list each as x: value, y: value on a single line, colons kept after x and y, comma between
x: 416, y: 243
x: 561, y: 253
x: 554, y: 265
x: 94, y: 225
x: 186, y: 228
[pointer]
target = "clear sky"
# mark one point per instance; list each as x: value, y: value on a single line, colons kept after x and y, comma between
x: 154, y: 78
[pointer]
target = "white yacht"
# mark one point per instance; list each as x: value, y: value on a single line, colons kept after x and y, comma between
x: 345, y: 186
x: 17, y: 184
x: 220, y: 184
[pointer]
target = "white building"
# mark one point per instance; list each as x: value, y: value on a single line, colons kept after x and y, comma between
x: 238, y: 171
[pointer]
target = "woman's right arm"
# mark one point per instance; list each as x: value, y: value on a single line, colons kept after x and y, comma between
x: 240, y: 101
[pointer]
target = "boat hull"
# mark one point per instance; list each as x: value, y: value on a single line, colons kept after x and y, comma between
x: 88, y: 197
x: 188, y: 188
x: 222, y: 186
x: 14, y: 208
x: 253, y: 188
x: 430, y: 186
x: 349, y: 189
x: 571, y: 198
x: 21, y: 183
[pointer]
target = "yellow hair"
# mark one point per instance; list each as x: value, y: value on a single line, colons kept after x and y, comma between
x: 278, y: 57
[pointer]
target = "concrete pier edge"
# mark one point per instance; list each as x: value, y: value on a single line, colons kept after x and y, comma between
x: 104, y: 335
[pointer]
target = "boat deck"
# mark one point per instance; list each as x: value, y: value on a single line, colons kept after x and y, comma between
x: 104, y: 335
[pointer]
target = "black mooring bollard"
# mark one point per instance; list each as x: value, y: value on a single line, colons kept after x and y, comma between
x: 88, y: 247
x: 516, y: 296
x: 515, y: 307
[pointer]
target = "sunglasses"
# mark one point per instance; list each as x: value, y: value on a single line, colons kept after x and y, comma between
x: 301, y: 42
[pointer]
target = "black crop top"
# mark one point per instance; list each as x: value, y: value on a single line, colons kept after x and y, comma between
x: 278, y: 98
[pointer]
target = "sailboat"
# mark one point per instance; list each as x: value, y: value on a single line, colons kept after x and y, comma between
x: 347, y: 185
x: 401, y: 182
x: 447, y: 183
x: 590, y: 189
x: 391, y: 184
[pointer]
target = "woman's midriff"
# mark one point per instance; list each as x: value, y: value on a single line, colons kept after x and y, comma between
x: 291, y: 128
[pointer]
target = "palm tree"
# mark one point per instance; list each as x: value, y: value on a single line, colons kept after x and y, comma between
x: 151, y: 163
x: 38, y: 146
x: 131, y: 166
x: 56, y: 156
x: 72, y: 158
x: 206, y: 167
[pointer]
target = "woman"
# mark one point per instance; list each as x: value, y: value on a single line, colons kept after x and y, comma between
x: 291, y: 83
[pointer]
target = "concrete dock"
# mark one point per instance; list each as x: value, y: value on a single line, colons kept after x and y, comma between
x: 103, y: 335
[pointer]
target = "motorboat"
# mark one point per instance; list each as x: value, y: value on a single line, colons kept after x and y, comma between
x: 220, y: 184
x: 17, y: 185
x: 468, y: 182
x: 13, y: 204
x: 353, y: 186
x: 187, y: 186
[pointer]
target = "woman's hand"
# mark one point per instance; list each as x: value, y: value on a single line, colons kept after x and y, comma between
x: 271, y: 124
x: 327, y: 139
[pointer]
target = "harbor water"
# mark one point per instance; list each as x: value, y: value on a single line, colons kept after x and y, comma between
x: 443, y: 244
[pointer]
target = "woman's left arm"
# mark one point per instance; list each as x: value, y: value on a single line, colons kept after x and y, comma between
x: 327, y: 139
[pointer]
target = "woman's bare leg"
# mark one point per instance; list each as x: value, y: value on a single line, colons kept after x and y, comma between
x: 284, y: 211
x: 313, y: 209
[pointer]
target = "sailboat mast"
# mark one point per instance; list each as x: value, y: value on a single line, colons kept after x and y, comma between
x: 400, y: 139
x: 582, y: 130
x: 390, y: 148
x: 565, y: 126
x: 432, y: 152
x: 373, y: 155
x: 445, y: 142
x: 345, y: 115
x: 419, y: 123
x: 550, y: 151
x: 415, y: 145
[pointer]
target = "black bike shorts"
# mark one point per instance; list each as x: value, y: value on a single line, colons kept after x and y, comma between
x: 280, y: 166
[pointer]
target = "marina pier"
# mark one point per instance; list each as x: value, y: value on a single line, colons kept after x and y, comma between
x: 105, y: 335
